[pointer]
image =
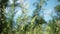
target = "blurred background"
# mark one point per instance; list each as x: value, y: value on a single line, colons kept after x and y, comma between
x: 30, y: 16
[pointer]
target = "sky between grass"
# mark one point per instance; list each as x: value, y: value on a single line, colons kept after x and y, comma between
x: 49, y: 8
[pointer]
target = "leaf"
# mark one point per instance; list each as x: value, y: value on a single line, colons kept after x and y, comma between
x: 32, y: 21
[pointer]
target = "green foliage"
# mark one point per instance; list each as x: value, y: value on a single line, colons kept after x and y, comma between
x: 26, y: 24
x: 58, y: 0
x: 54, y: 29
x: 57, y: 8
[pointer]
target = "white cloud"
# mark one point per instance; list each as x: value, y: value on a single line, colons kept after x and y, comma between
x: 47, y: 14
x: 11, y: 1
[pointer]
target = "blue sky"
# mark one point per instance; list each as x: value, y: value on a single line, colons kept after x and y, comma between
x: 51, y: 4
x: 50, y: 8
